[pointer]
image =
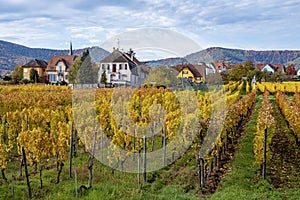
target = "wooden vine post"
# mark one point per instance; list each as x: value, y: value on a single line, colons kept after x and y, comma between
x: 91, y: 162
x: 71, y: 149
x: 145, y: 158
x: 26, y: 173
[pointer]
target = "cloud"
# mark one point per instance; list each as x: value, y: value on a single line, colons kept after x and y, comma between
x: 246, y: 24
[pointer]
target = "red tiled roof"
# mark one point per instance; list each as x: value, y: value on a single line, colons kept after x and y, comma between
x: 220, y: 65
x: 67, y: 59
x: 276, y: 67
x: 260, y: 65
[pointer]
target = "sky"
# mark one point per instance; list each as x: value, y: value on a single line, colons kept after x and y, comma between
x: 256, y: 25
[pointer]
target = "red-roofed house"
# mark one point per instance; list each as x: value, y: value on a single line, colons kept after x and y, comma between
x: 271, y: 68
x: 220, y: 66
x: 58, y: 68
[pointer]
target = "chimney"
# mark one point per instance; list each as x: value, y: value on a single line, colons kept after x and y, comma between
x: 131, y: 53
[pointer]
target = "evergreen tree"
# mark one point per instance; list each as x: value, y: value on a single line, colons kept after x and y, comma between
x: 84, y: 71
x: 87, y: 73
x: 103, y: 77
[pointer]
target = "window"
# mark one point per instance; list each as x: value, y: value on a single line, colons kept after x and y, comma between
x: 125, y: 66
x: 198, y: 78
x: 107, y: 67
x: 114, y: 68
x: 124, y: 77
x: 25, y: 70
x: 185, y: 72
x: 26, y: 77
x: 102, y: 66
x: 120, y: 66
x: 60, y: 69
x: 112, y: 77
x: 52, y: 77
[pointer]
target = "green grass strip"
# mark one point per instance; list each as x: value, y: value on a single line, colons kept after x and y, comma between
x: 243, y: 180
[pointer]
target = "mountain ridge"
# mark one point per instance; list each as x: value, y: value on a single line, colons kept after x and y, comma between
x: 12, y: 54
x: 234, y: 56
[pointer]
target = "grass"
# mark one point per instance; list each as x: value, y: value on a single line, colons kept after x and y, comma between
x: 244, y: 181
x: 177, y: 181
x: 105, y: 185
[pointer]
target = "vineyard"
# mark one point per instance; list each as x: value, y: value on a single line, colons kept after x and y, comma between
x: 236, y: 140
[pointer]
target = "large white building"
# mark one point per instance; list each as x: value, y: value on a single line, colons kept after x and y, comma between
x: 123, y: 69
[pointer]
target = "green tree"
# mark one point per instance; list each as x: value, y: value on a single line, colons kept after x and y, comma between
x: 17, y: 74
x: 74, y: 70
x: 7, y: 78
x: 163, y: 75
x: 87, y: 73
x: 246, y: 69
x: 277, y: 76
x: 103, y: 77
x: 34, y: 76
x: 84, y: 70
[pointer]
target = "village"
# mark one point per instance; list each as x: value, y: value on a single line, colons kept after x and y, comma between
x: 123, y: 68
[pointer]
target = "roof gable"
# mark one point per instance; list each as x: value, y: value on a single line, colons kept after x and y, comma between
x: 270, y: 67
x: 115, y: 56
x: 67, y: 59
x: 118, y: 57
x: 191, y: 67
x: 36, y: 63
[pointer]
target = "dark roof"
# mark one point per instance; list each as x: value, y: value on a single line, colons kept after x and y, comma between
x: 115, y: 56
x: 201, y: 68
x: 36, y: 63
x: 118, y: 56
x: 133, y: 57
x: 67, y: 59
x: 191, y: 67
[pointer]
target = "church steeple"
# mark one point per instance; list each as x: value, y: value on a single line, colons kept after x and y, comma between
x: 71, y: 50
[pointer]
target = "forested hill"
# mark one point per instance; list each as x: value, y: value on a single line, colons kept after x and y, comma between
x: 215, y: 54
x: 13, y: 54
x: 239, y: 56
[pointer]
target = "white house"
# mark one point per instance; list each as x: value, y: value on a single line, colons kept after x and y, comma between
x: 123, y: 69
x: 268, y: 68
x: 298, y: 72
x: 271, y: 68
x: 210, y: 69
